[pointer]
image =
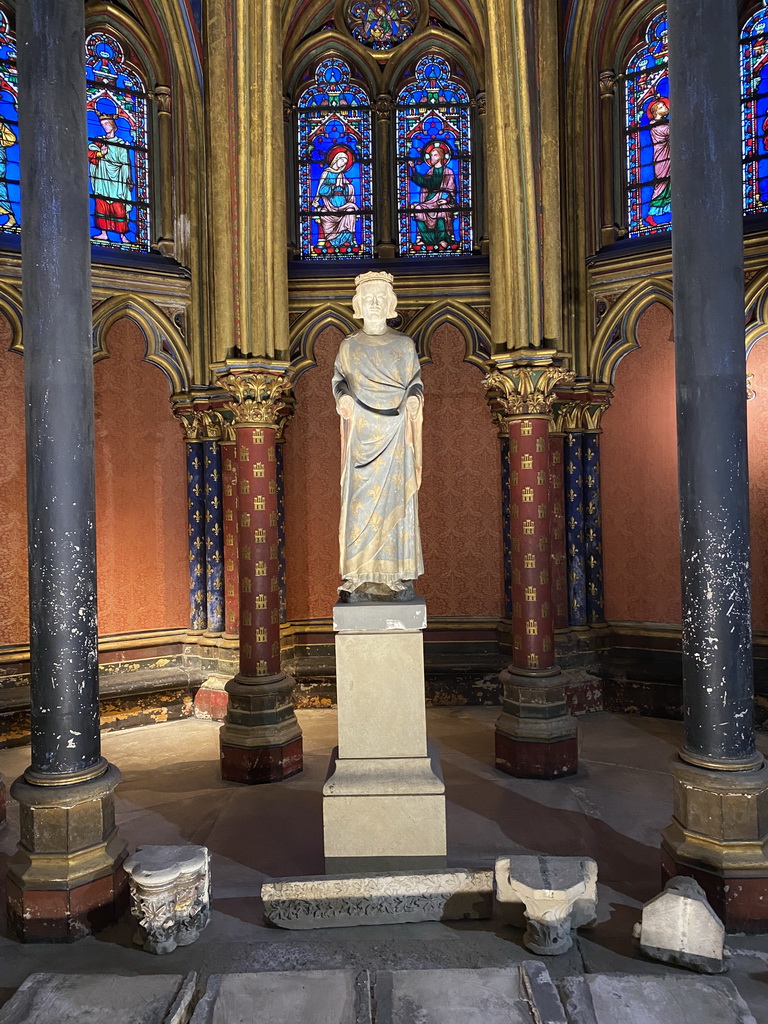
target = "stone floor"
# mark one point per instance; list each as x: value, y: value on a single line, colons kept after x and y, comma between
x: 613, y: 810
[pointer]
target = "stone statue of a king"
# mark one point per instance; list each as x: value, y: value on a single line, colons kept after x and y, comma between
x: 380, y: 398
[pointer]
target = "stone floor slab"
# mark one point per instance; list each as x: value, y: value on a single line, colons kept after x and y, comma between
x: 627, y: 999
x: 101, y: 998
x: 322, y: 997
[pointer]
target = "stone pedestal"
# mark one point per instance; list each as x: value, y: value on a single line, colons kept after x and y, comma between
x: 384, y: 799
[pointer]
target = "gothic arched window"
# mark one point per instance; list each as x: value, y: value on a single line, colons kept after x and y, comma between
x: 647, y: 126
x: 754, y: 118
x: 118, y: 157
x: 433, y: 148
x: 335, y: 176
x: 10, y: 212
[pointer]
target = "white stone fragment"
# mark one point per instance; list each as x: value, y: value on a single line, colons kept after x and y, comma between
x: 386, y: 898
x: 170, y: 895
x: 556, y: 894
x: 679, y: 927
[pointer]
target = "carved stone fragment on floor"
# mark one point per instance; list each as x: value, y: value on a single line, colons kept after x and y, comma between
x: 679, y: 927
x: 170, y: 895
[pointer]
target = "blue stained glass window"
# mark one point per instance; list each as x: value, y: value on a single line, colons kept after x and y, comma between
x: 118, y: 157
x: 381, y: 26
x: 10, y: 211
x: 434, y: 178
x: 335, y: 177
x: 649, y: 208
x: 754, y: 111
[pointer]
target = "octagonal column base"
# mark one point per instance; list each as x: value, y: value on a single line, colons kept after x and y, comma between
x: 535, y: 734
x: 719, y: 836
x: 255, y: 765
x: 260, y: 740
x: 66, y: 880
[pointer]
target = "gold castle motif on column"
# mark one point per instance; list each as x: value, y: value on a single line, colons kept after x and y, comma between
x: 523, y: 390
x: 258, y: 397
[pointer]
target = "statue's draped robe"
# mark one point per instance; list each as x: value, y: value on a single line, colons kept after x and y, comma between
x: 380, y: 460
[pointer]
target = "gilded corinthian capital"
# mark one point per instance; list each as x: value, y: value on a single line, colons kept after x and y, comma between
x: 523, y: 390
x: 258, y: 397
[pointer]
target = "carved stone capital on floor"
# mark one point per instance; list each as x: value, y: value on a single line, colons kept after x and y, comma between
x: 535, y: 734
x: 170, y: 895
x: 66, y: 879
x: 719, y: 836
x: 261, y: 738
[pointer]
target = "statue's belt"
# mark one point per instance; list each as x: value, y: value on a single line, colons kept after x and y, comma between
x: 379, y: 412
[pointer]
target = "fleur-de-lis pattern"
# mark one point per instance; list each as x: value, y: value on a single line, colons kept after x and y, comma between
x: 198, y: 615
x: 574, y: 529
x: 593, y: 528
x: 214, y: 537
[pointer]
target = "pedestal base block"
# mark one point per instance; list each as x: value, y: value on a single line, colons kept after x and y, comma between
x: 384, y: 814
x: 66, y: 879
x: 526, y: 759
x: 719, y: 837
x: 254, y: 765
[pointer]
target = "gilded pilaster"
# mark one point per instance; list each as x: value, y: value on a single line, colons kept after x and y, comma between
x: 548, y: 38
x: 260, y: 739
x: 608, y: 225
x: 164, y: 240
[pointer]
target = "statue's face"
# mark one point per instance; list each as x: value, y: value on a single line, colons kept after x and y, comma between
x: 376, y: 301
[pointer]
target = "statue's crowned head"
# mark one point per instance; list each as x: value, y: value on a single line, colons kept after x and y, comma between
x: 379, y: 281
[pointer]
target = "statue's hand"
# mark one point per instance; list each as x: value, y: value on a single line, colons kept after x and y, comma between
x: 345, y: 407
x: 412, y: 405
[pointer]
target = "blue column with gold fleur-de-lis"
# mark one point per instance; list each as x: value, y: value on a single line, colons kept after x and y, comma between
x: 574, y: 529
x: 198, y: 613
x: 214, y: 525
x: 593, y: 530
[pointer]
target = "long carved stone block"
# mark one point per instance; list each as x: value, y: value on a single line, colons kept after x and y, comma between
x: 555, y: 894
x: 170, y: 895
x: 388, y: 898
x: 679, y: 927
x: 74, y: 998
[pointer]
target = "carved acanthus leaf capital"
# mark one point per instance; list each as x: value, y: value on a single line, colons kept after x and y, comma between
x: 191, y: 423
x: 384, y: 106
x: 212, y: 421
x: 523, y: 390
x: 258, y: 397
x: 607, y: 84
x: 481, y: 101
x: 163, y: 99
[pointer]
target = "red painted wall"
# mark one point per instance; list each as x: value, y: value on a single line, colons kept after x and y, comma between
x: 459, y: 502
x: 140, y: 494
x: 639, y: 481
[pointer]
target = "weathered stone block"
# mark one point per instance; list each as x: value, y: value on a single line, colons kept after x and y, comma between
x: 322, y: 997
x: 679, y: 927
x: 387, y: 898
x: 74, y: 998
x: 170, y: 895
x: 556, y: 894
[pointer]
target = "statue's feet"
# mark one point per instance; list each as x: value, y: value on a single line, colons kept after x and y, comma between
x: 369, y: 593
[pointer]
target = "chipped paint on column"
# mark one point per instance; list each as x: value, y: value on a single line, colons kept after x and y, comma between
x: 593, y: 527
x: 214, y: 538
x: 574, y: 530
x: 710, y: 371
x: 58, y: 379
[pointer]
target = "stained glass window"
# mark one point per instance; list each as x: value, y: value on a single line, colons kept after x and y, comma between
x: 649, y: 208
x: 335, y: 190
x: 118, y: 159
x: 754, y: 111
x: 434, y: 180
x: 381, y: 26
x: 10, y: 212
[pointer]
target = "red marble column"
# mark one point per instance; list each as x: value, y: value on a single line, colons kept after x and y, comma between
x: 261, y: 738
x: 535, y: 735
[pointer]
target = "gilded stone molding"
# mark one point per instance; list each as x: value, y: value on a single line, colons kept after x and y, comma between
x: 191, y: 423
x: 258, y: 397
x: 523, y: 390
x: 211, y: 424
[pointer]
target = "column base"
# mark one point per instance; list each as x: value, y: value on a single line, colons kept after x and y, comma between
x: 260, y: 740
x: 66, y: 880
x: 719, y: 836
x: 536, y: 737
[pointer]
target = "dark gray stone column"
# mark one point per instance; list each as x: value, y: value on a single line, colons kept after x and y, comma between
x: 69, y: 843
x: 718, y: 833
